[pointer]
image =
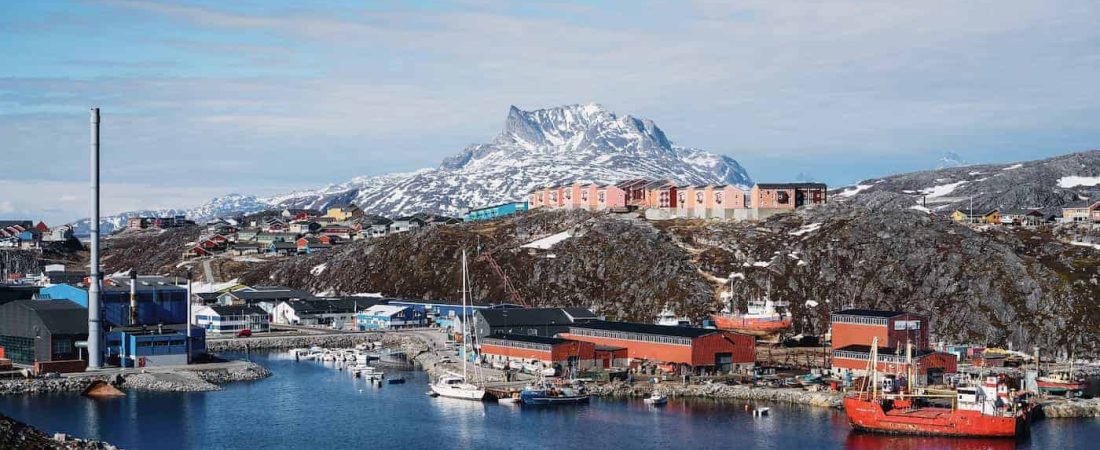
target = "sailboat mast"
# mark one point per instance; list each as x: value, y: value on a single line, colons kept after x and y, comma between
x: 465, y: 318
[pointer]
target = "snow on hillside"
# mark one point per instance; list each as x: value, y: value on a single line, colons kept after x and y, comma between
x: 535, y: 148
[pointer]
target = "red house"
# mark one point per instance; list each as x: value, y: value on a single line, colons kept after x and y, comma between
x: 547, y: 352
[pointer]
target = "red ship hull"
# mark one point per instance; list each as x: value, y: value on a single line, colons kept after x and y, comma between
x: 734, y: 323
x: 1051, y: 385
x: 866, y: 415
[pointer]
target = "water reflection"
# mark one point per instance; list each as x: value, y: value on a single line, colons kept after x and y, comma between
x: 868, y: 441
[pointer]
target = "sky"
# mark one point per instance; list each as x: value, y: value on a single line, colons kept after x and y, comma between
x: 207, y: 98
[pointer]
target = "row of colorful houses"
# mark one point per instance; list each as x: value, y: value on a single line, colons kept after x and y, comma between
x: 1016, y: 217
x: 682, y: 200
x: 26, y: 234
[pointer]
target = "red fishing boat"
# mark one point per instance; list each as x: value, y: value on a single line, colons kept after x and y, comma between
x: 989, y: 409
x: 761, y: 316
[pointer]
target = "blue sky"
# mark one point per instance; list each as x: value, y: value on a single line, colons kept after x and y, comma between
x: 207, y: 98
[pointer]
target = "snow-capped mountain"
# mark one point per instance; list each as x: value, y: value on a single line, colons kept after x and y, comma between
x: 535, y: 148
x: 950, y: 159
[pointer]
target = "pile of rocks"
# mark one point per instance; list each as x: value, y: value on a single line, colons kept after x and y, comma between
x: 246, y: 371
x: 1072, y: 408
x: 15, y: 434
x: 183, y: 381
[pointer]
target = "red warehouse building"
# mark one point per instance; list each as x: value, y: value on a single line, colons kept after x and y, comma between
x: 892, y: 328
x: 699, y: 348
x: 549, y: 352
x: 855, y: 330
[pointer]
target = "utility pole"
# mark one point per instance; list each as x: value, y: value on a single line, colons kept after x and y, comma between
x: 189, y: 274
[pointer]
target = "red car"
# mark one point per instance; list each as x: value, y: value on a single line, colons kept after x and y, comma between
x: 244, y: 333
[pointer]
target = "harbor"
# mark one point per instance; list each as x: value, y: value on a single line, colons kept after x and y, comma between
x: 282, y: 411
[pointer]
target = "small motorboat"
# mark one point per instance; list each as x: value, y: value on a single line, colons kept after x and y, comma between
x: 656, y: 399
x: 398, y: 380
x: 514, y: 399
x: 761, y: 411
x: 515, y: 365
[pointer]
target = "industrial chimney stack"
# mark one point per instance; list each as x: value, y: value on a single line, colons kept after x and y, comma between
x: 133, y: 297
x: 95, y: 333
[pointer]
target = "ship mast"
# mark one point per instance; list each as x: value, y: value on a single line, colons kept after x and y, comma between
x: 465, y: 319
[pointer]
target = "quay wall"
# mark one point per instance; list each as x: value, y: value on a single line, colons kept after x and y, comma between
x: 1061, y: 408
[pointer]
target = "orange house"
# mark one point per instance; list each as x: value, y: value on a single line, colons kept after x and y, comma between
x: 931, y: 365
x: 698, y: 348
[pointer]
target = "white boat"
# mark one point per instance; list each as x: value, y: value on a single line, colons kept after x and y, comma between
x: 455, y: 386
x: 532, y: 368
x: 499, y: 365
x: 512, y: 400
x: 549, y: 372
x: 656, y: 399
x: 669, y: 318
x: 515, y: 365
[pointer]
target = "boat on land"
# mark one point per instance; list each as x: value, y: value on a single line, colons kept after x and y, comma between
x: 988, y: 409
x: 457, y: 386
x: 1062, y: 382
x: 761, y: 316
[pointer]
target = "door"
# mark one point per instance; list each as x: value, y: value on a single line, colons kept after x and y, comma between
x: 723, y: 362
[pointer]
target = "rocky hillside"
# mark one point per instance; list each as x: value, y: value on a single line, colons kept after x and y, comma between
x: 995, y: 286
x: 18, y: 435
x: 535, y: 148
x: 1046, y: 184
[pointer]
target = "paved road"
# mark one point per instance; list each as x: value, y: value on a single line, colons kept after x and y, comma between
x: 208, y: 270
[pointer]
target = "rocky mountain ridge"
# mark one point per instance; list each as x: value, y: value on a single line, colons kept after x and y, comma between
x: 535, y: 148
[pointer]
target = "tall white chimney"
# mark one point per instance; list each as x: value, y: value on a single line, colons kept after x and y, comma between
x: 95, y: 333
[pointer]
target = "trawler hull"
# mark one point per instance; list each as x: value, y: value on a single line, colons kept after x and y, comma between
x: 868, y: 415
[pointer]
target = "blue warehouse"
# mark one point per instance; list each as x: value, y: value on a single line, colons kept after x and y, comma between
x: 143, y: 346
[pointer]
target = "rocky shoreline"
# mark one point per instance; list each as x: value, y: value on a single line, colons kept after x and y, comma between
x: 1064, y: 409
x: 15, y: 434
x: 197, y: 379
x: 821, y: 399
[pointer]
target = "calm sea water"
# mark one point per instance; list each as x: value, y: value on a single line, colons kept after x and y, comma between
x: 307, y: 405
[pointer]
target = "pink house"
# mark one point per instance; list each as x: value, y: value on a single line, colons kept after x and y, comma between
x: 609, y: 196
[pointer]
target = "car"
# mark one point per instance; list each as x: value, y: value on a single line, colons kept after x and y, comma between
x: 244, y: 333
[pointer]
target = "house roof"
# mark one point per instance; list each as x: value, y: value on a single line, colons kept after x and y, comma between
x: 869, y: 313
x: 508, y: 317
x: 58, y: 316
x: 645, y: 328
x: 237, y: 310
x: 791, y: 185
x: 580, y: 314
x: 283, y: 245
x: 330, y: 305
x: 527, y: 338
x: 270, y: 293
x: 384, y: 310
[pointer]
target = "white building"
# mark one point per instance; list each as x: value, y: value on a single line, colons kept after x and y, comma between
x: 231, y: 319
x: 338, y: 313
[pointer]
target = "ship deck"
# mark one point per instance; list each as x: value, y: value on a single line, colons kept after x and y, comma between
x: 919, y: 413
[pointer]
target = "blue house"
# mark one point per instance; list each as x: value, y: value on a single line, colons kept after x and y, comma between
x: 153, y: 346
x: 492, y: 212
x: 159, y: 301
x: 389, y: 317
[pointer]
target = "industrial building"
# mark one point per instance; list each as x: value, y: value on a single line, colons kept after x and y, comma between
x: 693, y: 349
x: 545, y: 322
x: 892, y: 328
x: 144, y: 346
x: 159, y: 300
x: 854, y: 331
x: 265, y: 297
x: 44, y: 334
x: 546, y: 352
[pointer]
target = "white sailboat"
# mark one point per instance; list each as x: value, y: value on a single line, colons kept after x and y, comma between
x: 455, y: 386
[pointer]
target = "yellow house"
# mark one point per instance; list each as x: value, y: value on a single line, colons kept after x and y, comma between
x: 992, y: 217
x: 341, y: 213
x: 960, y: 216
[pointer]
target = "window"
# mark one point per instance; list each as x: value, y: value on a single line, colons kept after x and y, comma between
x: 601, y: 196
x: 782, y: 197
x: 584, y: 195
x: 62, y: 346
x: 699, y: 197
x: 718, y: 198
x: 18, y: 349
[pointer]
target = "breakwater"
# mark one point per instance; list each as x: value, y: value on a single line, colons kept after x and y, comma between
x: 346, y: 340
x: 191, y: 379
